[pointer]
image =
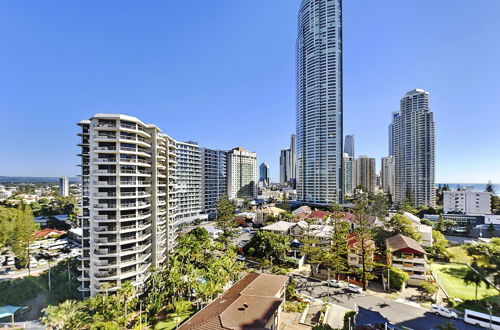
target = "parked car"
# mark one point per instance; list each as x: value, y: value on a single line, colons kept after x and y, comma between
x: 354, y: 288
x: 335, y: 284
x: 443, y: 311
x: 241, y: 258
x: 10, y: 261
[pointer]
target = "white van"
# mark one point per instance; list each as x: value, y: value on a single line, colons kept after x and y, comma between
x: 481, y: 319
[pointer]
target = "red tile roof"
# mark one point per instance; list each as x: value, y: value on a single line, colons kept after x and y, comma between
x: 48, y: 232
x: 260, y: 292
x: 400, y: 242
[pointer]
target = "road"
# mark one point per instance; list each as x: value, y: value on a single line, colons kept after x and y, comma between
x: 398, y: 313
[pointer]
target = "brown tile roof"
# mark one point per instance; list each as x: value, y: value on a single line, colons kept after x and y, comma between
x: 48, y: 232
x: 258, y: 291
x: 400, y: 242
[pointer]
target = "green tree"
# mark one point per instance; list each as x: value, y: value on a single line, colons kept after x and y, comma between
x: 440, y: 224
x: 429, y: 288
x: 397, y: 278
x: 335, y: 257
x: 426, y: 222
x: 379, y: 206
x: 474, y: 276
x: 364, y: 235
x: 181, y: 307
x: 23, y: 229
x: 448, y: 224
x: 269, y: 245
x: 225, y: 219
x: 399, y: 224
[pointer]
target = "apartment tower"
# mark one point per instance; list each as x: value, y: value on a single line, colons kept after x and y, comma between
x: 241, y: 173
x: 349, y: 145
x: 414, y: 150
x: 264, y: 174
x: 129, y: 201
x: 214, y: 168
x: 319, y: 102
x: 63, y: 186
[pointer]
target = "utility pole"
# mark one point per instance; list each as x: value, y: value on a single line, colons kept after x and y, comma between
x: 388, y: 279
x: 49, y: 276
x: 328, y: 284
x: 69, y: 274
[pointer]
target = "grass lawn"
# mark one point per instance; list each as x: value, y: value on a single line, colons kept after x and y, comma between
x: 459, y: 254
x: 170, y: 323
x: 450, y: 277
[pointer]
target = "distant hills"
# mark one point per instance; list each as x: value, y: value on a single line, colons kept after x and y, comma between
x: 33, y: 179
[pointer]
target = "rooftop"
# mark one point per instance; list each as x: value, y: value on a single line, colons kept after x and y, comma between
x: 248, y: 304
x: 400, y: 242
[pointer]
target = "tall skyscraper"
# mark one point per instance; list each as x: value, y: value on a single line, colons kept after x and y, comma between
x: 214, y: 171
x: 387, y: 175
x: 319, y: 102
x: 264, y: 174
x: 349, y: 145
x: 348, y: 179
x: 366, y: 177
x: 284, y: 166
x: 414, y: 150
x: 392, y: 145
x: 63, y: 186
x: 129, y: 200
x: 293, y: 157
x: 241, y: 173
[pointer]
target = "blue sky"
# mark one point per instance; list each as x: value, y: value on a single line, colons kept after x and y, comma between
x: 223, y: 73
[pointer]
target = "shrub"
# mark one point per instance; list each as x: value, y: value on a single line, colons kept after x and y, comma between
x: 397, y: 278
x: 349, y: 316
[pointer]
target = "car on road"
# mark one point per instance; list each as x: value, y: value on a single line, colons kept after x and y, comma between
x: 354, y: 288
x: 241, y: 258
x: 335, y: 284
x: 443, y: 311
x: 10, y: 261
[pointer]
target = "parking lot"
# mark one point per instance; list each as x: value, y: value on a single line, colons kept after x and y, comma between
x: 41, y: 254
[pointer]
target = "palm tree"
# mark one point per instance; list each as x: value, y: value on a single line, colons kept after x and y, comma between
x: 475, y: 277
x: 62, y: 315
x: 447, y: 326
x: 181, y: 307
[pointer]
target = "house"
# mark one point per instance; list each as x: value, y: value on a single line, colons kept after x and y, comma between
x: 280, y: 227
x: 254, y: 302
x: 354, y: 251
x: 405, y: 253
x: 302, y: 211
x: 425, y: 231
x: 48, y: 232
x: 244, y: 218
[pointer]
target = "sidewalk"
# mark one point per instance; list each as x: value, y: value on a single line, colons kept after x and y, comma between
x: 410, y: 295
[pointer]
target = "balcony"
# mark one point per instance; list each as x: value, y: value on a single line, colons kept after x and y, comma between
x: 104, y: 148
x: 104, y: 206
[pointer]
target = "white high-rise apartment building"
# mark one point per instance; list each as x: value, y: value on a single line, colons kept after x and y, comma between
x: 189, y: 181
x: 214, y: 177
x: 414, y: 150
x: 365, y: 176
x: 129, y: 200
x: 387, y: 175
x: 467, y: 202
x: 319, y: 102
x: 241, y: 173
x: 63, y: 186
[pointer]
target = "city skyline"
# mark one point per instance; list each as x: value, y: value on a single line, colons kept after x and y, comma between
x: 51, y: 93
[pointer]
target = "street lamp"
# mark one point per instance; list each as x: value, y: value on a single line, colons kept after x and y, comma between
x: 489, y: 310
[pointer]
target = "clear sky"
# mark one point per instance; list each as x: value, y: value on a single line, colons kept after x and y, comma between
x: 223, y: 73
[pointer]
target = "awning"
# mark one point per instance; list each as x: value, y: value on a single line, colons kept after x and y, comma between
x: 8, y: 311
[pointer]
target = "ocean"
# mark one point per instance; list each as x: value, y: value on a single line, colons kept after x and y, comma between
x: 477, y: 186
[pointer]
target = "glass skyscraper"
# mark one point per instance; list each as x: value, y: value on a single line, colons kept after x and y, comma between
x: 319, y: 102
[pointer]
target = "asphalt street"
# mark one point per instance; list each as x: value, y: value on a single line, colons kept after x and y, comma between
x: 397, y: 313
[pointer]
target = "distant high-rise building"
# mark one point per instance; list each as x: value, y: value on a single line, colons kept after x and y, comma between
x: 241, y: 173
x: 214, y: 172
x: 189, y: 181
x: 264, y: 174
x: 392, y: 145
x: 293, y: 157
x: 414, y: 150
x: 284, y: 166
x: 63, y: 186
x: 349, y: 145
x: 348, y: 177
x: 387, y: 175
x: 366, y: 176
x: 319, y: 102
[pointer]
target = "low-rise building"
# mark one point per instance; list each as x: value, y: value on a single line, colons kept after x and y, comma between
x: 467, y: 201
x: 424, y: 230
x: 354, y: 252
x: 254, y: 302
x: 405, y: 253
